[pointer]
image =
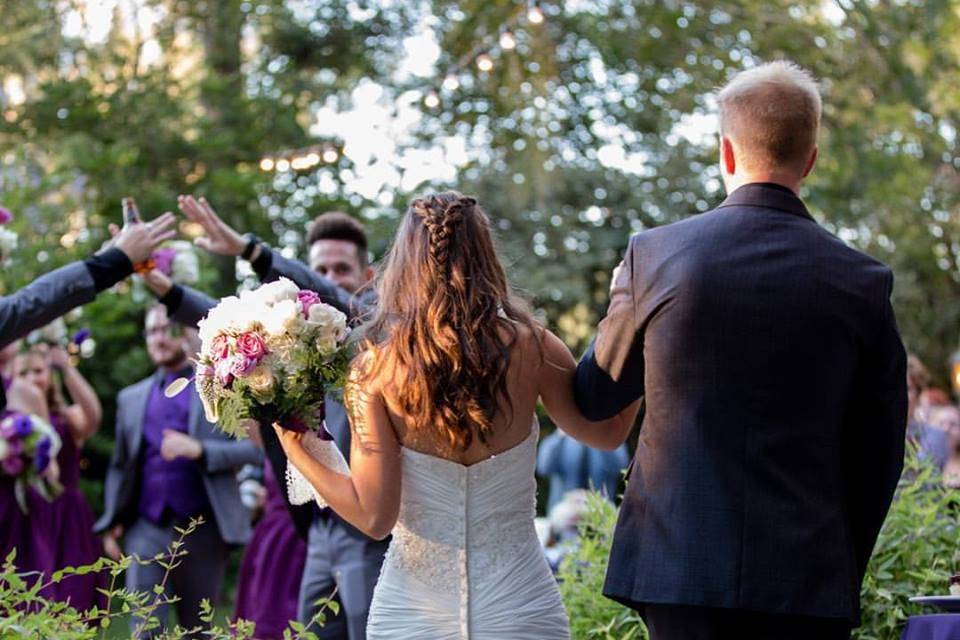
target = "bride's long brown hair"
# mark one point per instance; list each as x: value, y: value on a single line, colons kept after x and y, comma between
x: 445, y: 322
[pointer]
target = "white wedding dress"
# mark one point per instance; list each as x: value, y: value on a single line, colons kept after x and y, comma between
x: 465, y: 561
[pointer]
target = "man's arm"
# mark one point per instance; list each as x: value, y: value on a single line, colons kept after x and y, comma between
x: 222, y: 239
x: 270, y: 266
x: 45, y: 299
x: 874, y: 439
x: 229, y: 455
x: 55, y: 293
x: 610, y: 374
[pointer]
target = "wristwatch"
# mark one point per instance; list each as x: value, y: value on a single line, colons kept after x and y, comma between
x: 252, y: 242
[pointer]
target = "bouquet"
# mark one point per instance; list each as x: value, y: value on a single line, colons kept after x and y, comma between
x: 271, y: 355
x: 8, y: 238
x: 178, y: 261
x: 28, y: 446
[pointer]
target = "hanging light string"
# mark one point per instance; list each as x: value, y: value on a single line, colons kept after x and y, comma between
x: 481, y: 56
x: 307, y: 158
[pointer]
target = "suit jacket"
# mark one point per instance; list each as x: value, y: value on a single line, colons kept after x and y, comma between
x: 774, y: 383
x: 223, y: 456
x: 44, y: 300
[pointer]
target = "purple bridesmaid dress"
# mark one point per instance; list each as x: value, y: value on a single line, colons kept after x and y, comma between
x: 272, y: 567
x: 62, y: 532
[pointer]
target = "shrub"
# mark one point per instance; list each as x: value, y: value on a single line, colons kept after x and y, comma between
x: 26, y: 614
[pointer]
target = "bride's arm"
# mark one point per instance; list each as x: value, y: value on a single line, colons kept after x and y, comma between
x: 369, y: 498
x: 556, y: 393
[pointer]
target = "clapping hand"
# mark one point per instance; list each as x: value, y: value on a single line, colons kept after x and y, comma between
x: 138, y: 239
x: 179, y: 445
x: 220, y: 237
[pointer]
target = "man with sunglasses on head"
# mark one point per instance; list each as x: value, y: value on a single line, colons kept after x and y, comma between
x: 170, y: 465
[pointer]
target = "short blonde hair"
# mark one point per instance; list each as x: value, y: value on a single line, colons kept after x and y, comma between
x: 772, y: 114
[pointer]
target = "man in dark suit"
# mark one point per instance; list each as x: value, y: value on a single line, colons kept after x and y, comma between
x: 170, y: 465
x: 55, y: 293
x: 774, y: 382
x: 339, y: 557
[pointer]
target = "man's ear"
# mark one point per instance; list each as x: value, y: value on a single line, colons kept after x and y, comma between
x: 368, y: 274
x: 811, y: 162
x: 727, y: 157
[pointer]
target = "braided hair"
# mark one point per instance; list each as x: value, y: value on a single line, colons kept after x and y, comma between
x: 446, y: 321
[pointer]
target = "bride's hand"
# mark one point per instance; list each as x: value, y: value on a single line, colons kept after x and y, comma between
x: 291, y: 441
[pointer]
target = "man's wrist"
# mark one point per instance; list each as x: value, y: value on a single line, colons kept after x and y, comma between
x: 252, y: 242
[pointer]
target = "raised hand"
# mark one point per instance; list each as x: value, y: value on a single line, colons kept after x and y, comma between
x: 220, y: 237
x: 138, y: 239
x: 176, y: 444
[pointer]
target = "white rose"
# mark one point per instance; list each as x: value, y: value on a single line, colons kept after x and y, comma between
x: 278, y: 291
x: 329, y: 320
x: 326, y: 343
x: 283, y: 317
x: 219, y: 319
x: 261, y: 379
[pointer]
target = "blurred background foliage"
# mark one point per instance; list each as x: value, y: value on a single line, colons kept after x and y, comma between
x: 590, y: 124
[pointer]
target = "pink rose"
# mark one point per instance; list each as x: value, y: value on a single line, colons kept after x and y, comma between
x: 241, y: 366
x: 251, y: 345
x: 220, y: 347
x: 5, y: 215
x: 223, y: 373
x: 205, y: 371
x: 307, y: 299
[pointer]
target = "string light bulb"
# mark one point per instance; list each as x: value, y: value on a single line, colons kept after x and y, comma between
x: 266, y: 164
x: 432, y: 101
x: 330, y: 155
x: 535, y: 14
x: 484, y: 62
x: 283, y: 164
x: 451, y: 82
x: 507, y: 41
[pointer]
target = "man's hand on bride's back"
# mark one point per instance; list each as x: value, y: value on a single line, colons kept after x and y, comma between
x: 219, y: 237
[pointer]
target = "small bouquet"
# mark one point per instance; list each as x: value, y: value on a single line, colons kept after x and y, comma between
x: 271, y: 355
x: 178, y: 261
x: 8, y: 238
x: 28, y: 446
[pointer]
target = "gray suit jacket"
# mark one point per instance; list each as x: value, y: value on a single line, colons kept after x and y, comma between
x: 44, y: 300
x: 222, y: 457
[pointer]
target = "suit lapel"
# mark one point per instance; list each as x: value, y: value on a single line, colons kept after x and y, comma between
x: 138, y: 414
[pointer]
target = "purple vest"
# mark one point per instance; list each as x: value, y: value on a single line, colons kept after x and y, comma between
x: 174, y: 488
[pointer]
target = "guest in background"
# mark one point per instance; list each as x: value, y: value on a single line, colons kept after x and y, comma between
x: 340, y: 558
x: 272, y: 564
x: 564, y: 518
x: 571, y: 465
x: 170, y: 465
x: 62, y: 530
x: 918, y: 380
x: 935, y: 439
x: 53, y: 294
x: 949, y: 418
x: 7, y: 355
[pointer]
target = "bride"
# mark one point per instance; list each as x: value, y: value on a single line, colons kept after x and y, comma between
x: 442, y: 402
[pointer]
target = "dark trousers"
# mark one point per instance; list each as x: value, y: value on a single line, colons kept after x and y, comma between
x: 674, y: 622
x: 341, y: 560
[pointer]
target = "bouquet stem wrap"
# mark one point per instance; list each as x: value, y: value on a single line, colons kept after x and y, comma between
x: 324, y: 450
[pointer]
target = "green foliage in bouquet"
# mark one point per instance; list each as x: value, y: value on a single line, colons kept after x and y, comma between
x: 581, y: 578
x: 24, y: 613
x: 915, y: 555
